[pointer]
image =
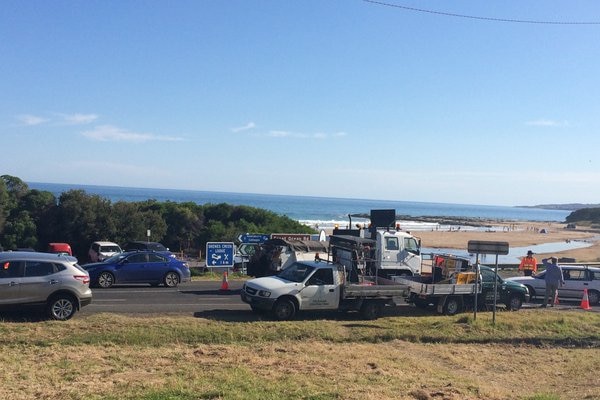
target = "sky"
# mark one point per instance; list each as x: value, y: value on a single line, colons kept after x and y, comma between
x: 455, y: 103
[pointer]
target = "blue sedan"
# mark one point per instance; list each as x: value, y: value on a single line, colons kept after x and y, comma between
x: 138, y: 267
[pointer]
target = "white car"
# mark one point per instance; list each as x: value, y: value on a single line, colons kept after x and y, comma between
x: 100, y: 251
x: 577, y: 278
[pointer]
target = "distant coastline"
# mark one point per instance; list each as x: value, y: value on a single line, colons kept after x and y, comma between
x: 321, y: 211
x: 563, y: 207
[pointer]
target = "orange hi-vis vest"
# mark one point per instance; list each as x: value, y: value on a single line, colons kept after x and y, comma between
x: 528, y: 263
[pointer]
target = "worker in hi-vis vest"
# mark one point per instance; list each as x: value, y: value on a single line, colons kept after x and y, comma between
x: 528, y: 264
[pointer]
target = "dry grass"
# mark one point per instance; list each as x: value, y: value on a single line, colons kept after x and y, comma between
x: 115, y: 357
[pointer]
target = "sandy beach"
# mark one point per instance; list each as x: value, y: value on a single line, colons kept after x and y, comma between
x: 520, y: 234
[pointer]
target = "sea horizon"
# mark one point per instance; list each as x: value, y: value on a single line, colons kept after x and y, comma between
x: 312, y: 210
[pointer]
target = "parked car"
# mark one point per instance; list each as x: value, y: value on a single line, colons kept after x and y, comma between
x: 141, y: 245
x: 54, y: 282
x: 577, y: 278
x: 138, y: 267
x: 153, y: 246
x: 60, y: 248
x: 100, y: 251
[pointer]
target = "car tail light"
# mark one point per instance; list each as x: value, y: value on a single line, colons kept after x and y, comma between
x: 85, y: 279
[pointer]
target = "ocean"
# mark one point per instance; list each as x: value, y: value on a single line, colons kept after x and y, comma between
x: 319, y: 212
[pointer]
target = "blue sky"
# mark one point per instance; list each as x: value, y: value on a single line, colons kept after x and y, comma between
x: 335, y: 98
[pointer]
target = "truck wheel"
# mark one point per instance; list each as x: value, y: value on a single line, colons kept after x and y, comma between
x: 371, y: 310
x: 284, y: 309
x: 453, y: 305
x: 515, y: 303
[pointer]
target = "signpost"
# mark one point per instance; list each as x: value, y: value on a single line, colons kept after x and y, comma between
x: 220, y: 254
x: 486, y: 247
x: 290, y: 236
x: 257, y: 238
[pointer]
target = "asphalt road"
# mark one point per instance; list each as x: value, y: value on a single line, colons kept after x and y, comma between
x: 204, y: 299
x: 192, y: 298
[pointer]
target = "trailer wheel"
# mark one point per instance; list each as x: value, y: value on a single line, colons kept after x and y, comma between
x: 284, y: 309
x: 453, y: 305
x: 371, y: 310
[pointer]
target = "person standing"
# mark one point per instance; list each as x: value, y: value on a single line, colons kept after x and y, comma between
x: 554, y: 278
x: 528, y: 264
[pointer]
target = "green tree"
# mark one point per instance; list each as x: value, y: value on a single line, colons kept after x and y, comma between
x: 83, y: 219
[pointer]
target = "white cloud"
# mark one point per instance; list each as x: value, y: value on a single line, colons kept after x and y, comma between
x: 294, y: 135
x: 547, y: 123
x: 109, y: 133
x: 78, y: 119
x: 248, y: 126
x: 31, y: 120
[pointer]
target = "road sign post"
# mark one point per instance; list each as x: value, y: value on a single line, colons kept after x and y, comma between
x: 487, y: 247
x: 220, y: 254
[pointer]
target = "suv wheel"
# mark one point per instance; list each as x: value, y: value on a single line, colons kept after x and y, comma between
x: 61, y: 307
x: 106, y: 280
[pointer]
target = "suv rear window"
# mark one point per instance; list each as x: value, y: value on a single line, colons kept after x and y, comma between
x: 39, y: 268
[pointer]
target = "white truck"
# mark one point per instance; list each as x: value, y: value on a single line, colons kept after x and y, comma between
x: 318, y: 285
x: 382, y: 249
x: 377, y: 252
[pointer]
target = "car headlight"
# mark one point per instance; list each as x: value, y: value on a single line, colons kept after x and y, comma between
x: 264, y: 293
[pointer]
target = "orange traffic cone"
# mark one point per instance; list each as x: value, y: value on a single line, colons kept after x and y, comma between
x: 585, y: 301
x: 225, y: 283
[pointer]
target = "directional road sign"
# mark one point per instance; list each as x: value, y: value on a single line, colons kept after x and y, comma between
x: 253, y: 238
x: 220, y: 254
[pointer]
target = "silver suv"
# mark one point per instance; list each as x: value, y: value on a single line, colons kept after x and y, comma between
x: 53, y: 281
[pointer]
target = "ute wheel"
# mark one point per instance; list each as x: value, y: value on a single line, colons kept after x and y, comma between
x: 515, y: 303
x: 106, y: 280
x: 453, y: 305
x: 284, y: 309
x: 593, y: 297
x: 371, y: 310
x: 61, y: 307
x: 171, y: 279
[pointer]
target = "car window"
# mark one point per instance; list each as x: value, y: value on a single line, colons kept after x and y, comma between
x: 156, y: 258
x: 488, y: 275
x: 138, y: 258
x: 11, y: 269
x: 391, y: 243
x: 322, y: 277
x: 596, y: 275
x: 111, y: 249
x: 38, y: 268
x: 574, y: 274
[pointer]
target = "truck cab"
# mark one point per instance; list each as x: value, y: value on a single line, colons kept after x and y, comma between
x: 383, y: 252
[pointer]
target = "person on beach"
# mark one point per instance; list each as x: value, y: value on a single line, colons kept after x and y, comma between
x: 528, y: 264
x: 554, y: 278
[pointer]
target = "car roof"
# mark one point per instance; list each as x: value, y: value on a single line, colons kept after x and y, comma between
x: 35, y: 256
x: 596, y: 269
x: 106, y: 243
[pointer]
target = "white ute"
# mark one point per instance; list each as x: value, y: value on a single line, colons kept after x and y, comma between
x: 317, y: 285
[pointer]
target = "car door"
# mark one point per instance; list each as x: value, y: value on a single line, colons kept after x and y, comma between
x: 320, y: 292
x: 11, y: 273
x: 39, y: 281
x: 156, y: 267
x: 131, y: 268
x: 576, y: 279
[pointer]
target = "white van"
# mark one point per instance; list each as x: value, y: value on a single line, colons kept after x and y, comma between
x: 100, y: 251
